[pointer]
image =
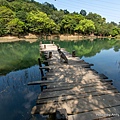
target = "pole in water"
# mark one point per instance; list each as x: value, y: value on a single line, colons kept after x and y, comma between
x: 40, y: 65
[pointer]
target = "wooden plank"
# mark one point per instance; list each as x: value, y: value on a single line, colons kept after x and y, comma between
x: 67, y: 87
x: 62, y: 77
x: 74, y: 96
x: 75, y: 91
x: 103, y: 76
x: 40, y: 82
x: 67, y: 82
x: 74, y: 85
x: 45, y: 67
x: 80, y: 105
x: 85, y: 65
x: 55, y: 84
x: 48, y: 60
x: 82, y: 64
x: 76, y: 75
x: 111, y: 113
x: 69, y: 66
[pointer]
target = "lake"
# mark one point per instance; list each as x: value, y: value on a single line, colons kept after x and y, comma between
x: 19, y: 65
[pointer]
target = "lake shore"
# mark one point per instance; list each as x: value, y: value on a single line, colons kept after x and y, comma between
x: 32, y: 38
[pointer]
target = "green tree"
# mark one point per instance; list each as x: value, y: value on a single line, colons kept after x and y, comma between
x: 83, y: 12
x: 6, y: 15
x: 85, y: 26
x: 57, y: 16
x: 69, y: 22
x: 27, y: 7
x: 115, y: 31
x: 15, y: 27
x: 39, y: 22
x: 115, y: 24
x: 66, y: 11
x: 75, y: 13
x: 22, y: 15
x: 50, y: 5
x: 47, y: 8
x: 98, y: 21
x: 47, y: 19
x: 4, y: 3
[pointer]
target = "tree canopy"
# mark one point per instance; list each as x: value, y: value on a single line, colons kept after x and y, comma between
x: 28, y: 16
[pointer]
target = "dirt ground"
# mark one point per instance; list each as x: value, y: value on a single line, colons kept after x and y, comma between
x: 33, y: 38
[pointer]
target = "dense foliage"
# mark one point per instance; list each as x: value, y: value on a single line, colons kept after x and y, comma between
x: 20, y: 17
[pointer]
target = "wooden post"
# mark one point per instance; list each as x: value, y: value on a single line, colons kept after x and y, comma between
x: 42, y: 74
x: 40, y: 65
x: 41, y: 88
x: 40, y: 45
x: 73, y: 53
x: 44, y: 46
x: 51, y: 42
x: 50, y: 54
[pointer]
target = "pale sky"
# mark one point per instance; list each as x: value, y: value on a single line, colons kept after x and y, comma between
x: 110, y: 9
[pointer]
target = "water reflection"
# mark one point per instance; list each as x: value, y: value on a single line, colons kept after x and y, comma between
x: 108, y: 63
x: 16, y: 98
x: 18, y: 55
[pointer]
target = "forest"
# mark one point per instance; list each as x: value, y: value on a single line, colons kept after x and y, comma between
x: 20, y: 17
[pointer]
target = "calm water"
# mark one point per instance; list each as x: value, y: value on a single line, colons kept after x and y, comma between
x: 16, y: 97
x: 18, y: 66
x: 108, y: 63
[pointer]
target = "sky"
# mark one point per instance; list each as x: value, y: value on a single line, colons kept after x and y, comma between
x: 110, y: 9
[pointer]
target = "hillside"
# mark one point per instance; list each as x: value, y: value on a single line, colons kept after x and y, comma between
x: 20, y: 17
